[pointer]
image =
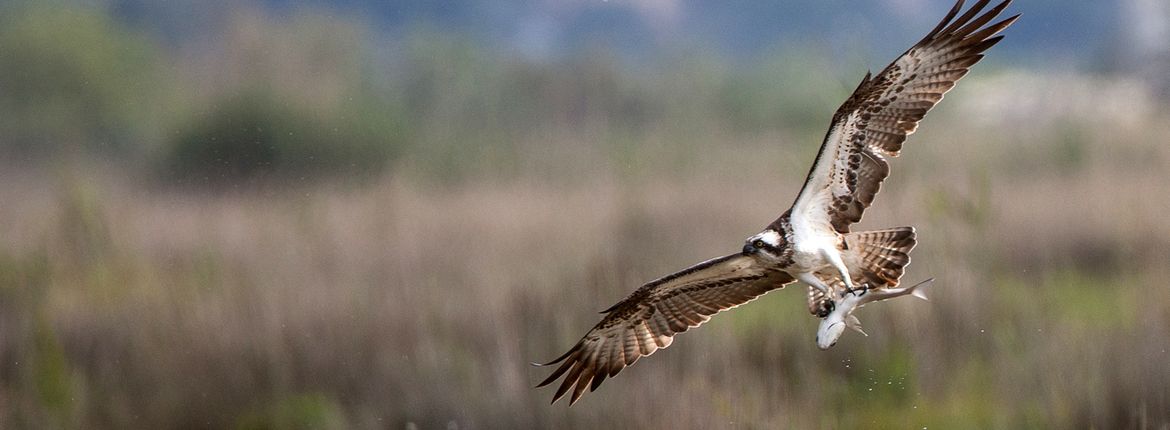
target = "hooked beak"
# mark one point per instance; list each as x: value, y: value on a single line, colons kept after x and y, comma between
x: 748, y: 249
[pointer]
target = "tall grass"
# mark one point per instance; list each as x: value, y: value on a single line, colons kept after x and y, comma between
x: 403, y: 303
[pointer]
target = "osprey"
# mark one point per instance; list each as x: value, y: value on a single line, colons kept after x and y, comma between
x: 811, y: 241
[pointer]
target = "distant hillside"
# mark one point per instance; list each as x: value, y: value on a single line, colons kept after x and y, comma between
x: 1079, y: 33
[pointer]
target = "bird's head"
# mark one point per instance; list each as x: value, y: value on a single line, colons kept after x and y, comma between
x: 768, y: 241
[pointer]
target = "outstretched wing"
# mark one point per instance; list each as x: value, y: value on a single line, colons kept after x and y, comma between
x: 649, y: 318
x: 872, y: 124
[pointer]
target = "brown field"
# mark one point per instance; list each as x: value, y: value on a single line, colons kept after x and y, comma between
x: 400, y: 302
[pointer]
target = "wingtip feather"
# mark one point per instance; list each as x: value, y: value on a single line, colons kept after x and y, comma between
x: 570, y: 379
x: 582, y: 384
x: 558, y: 359
x: 555, y: 374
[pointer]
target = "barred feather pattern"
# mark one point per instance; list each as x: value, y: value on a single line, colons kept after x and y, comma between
x: 874, y: 122
x: 849, y: 169
x: 649, y: 318
x: 877, y: 260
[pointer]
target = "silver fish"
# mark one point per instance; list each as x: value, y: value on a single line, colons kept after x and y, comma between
x: 833, y: 325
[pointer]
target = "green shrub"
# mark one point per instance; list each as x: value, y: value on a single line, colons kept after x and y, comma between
x: 70, y: 79
x: 255, y: 136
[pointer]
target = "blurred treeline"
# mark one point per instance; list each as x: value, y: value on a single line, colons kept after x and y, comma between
x: 278, y: 97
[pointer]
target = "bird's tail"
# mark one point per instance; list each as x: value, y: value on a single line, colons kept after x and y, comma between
x: 879, y: 257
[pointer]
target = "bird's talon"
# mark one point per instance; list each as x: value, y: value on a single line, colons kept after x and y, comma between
x: 827, y: 307
x: 858, y: 291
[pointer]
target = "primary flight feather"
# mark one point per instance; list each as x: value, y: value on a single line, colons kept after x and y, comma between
x: 811, y: 241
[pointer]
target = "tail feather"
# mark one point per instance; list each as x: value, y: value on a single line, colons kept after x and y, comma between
x: 881, y: 256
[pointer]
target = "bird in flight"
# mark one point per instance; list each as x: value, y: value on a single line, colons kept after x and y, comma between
x: 811, y: 241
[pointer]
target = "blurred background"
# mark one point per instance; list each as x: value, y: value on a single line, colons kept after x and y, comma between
x: 362, y: 214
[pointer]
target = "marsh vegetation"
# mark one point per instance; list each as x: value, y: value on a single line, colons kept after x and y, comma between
x: 346, y: 243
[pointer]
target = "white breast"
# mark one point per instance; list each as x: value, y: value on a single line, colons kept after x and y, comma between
x: 811, y: 242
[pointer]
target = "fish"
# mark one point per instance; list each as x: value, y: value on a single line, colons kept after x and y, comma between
x: 834, y: 325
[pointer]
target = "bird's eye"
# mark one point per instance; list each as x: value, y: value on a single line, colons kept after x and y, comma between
x: 758, y: 243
